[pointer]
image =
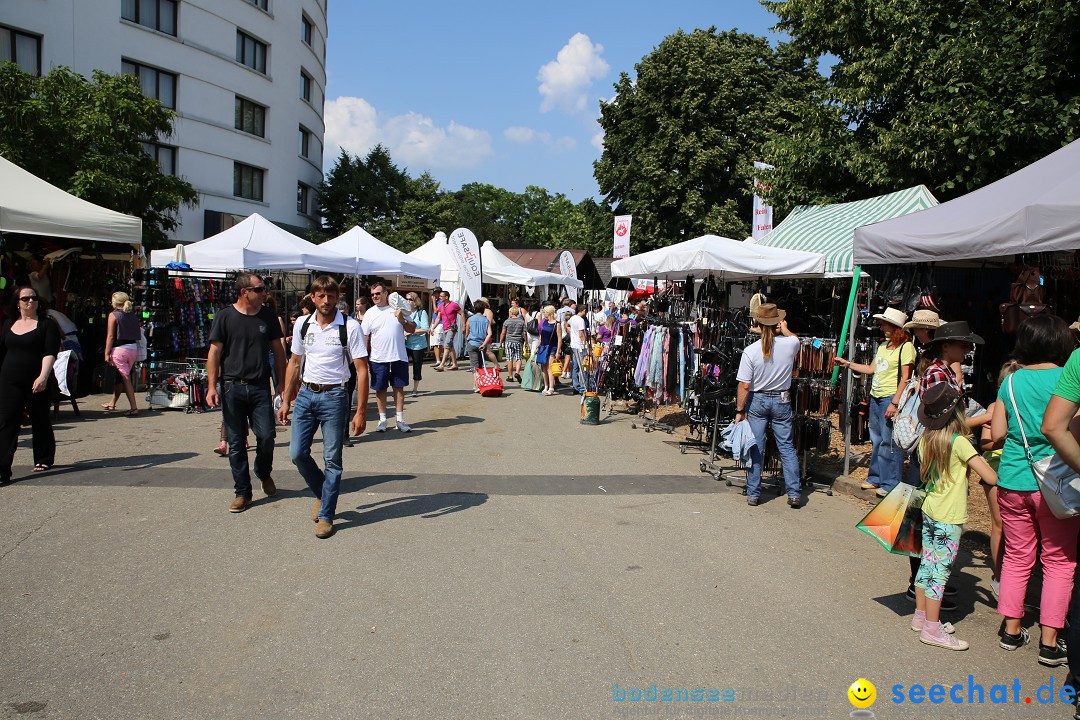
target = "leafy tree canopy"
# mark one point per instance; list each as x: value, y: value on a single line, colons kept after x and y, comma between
x: 954, y: 94
x: 680, y: 138
x: 86, y: 137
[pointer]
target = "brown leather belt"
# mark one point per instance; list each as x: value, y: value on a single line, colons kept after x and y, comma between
x: 317, y: 388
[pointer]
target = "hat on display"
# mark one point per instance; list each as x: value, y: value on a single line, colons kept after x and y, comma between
x: 938, y: 406
x: 957, y: 331
x: 924, y: 320
x: 769, y: 314
x: 893, y: 317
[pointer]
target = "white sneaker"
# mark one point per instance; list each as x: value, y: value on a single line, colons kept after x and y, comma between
x: 403, y: 427
x: 381, y: 427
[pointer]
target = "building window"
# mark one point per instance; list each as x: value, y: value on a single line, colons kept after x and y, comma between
x: 158, y: 15
x: 305, y: 86
x: 165, y: 155
x: 250, y: 52
x: 21, y: 48
x: 158, y: 84
x: 305, y: 142
x: 305, y: 30
x: 305, y: 199
x: 250, y: 117
x: 263, y: 4
x: 247, y: 181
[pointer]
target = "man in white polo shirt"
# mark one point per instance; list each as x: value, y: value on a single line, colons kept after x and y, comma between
x: 323, y: 346
x: 385, y: 328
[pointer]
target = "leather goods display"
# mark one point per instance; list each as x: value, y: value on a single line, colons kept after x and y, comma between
x: 1027, y: 298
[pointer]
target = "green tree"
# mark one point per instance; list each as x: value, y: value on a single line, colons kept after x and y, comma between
x: 954, y: 94
x: 370, y: 193
x: 681, y: 137
x: 86, y: 137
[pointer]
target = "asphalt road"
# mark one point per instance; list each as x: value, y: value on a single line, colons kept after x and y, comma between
x: 499, y: 562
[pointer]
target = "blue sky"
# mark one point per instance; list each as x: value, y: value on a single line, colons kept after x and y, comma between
x: 498, y: 92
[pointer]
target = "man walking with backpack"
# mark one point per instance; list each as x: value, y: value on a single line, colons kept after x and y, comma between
x: 324, y: 345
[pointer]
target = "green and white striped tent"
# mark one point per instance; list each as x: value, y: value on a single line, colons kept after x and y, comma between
x: 830, y: 229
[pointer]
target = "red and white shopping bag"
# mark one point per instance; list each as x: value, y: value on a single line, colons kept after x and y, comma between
x: 488, y: 381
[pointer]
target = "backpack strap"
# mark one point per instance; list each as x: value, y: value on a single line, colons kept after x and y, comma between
x: 343, y: 336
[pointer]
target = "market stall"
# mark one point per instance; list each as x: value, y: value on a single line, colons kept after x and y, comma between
x: 370, y: 256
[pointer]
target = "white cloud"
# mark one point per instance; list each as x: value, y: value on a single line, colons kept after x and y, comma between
x: 565, y: 81
x: 525, y: 135
x: 414, y: 140
x: 598, y: 140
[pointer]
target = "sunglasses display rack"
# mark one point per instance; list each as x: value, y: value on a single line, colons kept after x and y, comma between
x: 176, y: 312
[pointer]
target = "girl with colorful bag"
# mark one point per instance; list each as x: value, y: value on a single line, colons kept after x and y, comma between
x: 947, y: 454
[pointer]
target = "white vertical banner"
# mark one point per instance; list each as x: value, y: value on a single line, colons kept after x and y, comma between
x: 622, y: 236
x: 466, y: 253
x: 568, y: 267
x: 762, y: 224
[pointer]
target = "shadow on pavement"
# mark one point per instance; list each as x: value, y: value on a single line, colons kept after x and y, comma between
x: 447, y: 422
x: 425, y: 506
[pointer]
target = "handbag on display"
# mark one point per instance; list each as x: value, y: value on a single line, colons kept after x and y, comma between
x: 488, y: 381
x: 1058, y: 482
x: 1026, y: 299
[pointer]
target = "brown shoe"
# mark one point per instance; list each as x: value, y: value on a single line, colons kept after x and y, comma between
x: 315, y: 512
x: 324, y: 529
x: 269, y: 487
x: 239, y: 504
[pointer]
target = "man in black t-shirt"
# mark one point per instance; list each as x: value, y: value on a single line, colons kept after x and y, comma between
x: 241, y: 340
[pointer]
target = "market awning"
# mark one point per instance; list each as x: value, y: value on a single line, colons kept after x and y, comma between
x: 830, y: 229
x: 719, y: 256
x: 1036, y: 209
x: 371, y: 256
x: 30, y: 205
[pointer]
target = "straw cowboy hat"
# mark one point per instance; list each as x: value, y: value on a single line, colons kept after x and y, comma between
x: 893, y: 317
x: 938, y: 406
x: 925, y: 320
x: 957, y: 331
x: 769, y: 314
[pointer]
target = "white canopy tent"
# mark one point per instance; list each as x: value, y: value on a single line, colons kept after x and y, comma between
x: 722, y: 257
x: 28, y: 204
x: 497, y: 268
x: 1036, y: 209
x: 370, y: 256
x: 255, y: 243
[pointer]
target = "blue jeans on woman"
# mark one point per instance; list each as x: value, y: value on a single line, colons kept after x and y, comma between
x: 767, y: 410
x: 330, y: 410
x: 886, y: 460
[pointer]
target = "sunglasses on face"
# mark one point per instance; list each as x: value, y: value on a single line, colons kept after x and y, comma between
x: 375, y: 293
x: 29, y: 298
x: 256, y: 288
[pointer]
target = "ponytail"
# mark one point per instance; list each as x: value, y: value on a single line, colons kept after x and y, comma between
x: 767, y: 335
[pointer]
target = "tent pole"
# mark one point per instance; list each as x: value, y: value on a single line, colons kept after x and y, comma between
x: 849, y: 328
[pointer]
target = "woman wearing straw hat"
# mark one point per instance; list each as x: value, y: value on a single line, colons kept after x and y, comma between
x: 764, y: 398
x: 892, y: 368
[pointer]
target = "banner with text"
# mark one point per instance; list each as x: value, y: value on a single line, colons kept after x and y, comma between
x: 622, y: 236
x: 466, y: 253
x: 762, y: 212
x: 568, y: 267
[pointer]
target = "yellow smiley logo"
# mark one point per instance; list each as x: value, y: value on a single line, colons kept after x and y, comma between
x: 862, y: 693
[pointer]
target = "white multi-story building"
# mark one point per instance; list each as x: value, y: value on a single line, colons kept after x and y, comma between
x: 245, y: 77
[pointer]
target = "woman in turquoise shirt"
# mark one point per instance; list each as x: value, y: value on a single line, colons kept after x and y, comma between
x: 1043, y: 345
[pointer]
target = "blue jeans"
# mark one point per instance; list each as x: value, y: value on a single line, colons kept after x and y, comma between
x: 328, y: 409
x: 767, y: 410
x: 886, y: 460
x: 576, y: 372
x: 241, y: 405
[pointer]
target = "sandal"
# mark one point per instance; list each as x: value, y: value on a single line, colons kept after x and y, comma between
x: 132, y: 413
x: 41, y: 467
x: 108, y: 408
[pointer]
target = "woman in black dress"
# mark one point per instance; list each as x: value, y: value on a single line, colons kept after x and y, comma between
x: 28, y: 346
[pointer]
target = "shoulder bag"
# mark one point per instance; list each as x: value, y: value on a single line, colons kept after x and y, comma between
x: 1059, y: 483
x: 907, y: 430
